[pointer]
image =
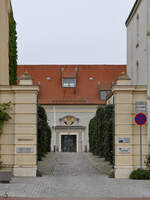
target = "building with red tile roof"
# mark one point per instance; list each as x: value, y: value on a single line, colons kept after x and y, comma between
x: 90, y: 79
x: 70, y: 95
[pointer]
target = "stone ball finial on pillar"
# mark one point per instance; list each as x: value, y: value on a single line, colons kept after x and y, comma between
x: 25, y: 79
x: 123, y: 79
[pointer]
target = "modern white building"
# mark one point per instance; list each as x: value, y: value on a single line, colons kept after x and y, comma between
x: 138, y: 48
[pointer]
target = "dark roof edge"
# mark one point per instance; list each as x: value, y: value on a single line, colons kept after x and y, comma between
x: 135, y: 6
x: 71, y: 104
x: 60, y: 65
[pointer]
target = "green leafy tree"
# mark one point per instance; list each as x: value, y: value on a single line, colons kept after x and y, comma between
x: 44, y: 133
x: 100, y: 113
x: 12, y: 50
x: 4, y: 116
x: 101, y: 133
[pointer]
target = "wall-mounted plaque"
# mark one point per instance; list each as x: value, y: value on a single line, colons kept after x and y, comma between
x: 140, y: 107
x: 25, y: 139
x: 24, y: 150
x: 124, y: 149
x: 124, y: 140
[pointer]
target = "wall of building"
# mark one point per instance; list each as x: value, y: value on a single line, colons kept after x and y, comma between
x: 137, y: 45
x: 140, y: 75
x: 4, y: 37
x: 148, y: 45
x: 83, y: 112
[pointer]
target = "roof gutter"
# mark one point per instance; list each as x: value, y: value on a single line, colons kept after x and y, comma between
x: 133, y: 11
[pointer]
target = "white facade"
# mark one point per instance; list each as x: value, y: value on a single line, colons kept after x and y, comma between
x: 81, y: 115
x: 138, y: 48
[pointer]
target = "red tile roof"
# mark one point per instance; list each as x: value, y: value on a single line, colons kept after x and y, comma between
x: 86, y: 91
x: 69, y: 72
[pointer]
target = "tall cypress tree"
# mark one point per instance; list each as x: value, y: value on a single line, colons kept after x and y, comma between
x: 101, y: 133
x: 12, y: 50
x: 44, y: 133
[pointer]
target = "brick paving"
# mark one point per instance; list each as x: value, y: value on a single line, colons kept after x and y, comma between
x: 74, y: 176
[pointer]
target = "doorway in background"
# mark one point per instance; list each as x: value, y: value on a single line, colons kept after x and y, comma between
x: 68, y: 143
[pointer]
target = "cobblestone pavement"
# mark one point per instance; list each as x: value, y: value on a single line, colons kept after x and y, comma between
x: 74, y: 164
x: 73, y: 175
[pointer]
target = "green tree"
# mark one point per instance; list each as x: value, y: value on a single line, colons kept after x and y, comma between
x: 44, y: 133
x: 12, y: 50
x: 101, y: 133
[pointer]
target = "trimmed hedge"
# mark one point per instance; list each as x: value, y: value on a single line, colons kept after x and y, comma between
x: 1, y: 165
x: 140, y: 174
x: 44, y: 133
x: 101, y: 133
x: 12, y: 50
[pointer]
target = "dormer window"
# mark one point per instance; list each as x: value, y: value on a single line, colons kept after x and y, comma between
x: 103, y: 94
x: 69, y: 82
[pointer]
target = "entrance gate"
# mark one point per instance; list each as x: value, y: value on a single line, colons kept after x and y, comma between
x: 127, y: 136
x: 68, y: 143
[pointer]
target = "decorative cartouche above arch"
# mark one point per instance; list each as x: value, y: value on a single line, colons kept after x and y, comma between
x: 69, y: 120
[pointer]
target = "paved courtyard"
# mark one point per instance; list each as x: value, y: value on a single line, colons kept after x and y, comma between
x: 72, y: 175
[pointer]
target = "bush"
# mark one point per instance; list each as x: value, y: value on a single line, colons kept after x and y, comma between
x: 147, y: 161
x: 101, y: 133
x: 140, y: 174
x: 44, y: 133
x: 1, y: 165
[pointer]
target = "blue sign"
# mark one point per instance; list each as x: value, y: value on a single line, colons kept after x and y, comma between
x: 124, y: 140
x: 140, y: 119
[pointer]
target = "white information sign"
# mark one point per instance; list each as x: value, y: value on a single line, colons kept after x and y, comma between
x: 140, y: 107
x: 124, y: 150
x: 24, y: 150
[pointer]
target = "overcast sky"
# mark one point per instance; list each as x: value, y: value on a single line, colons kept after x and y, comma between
x: 71, y: 31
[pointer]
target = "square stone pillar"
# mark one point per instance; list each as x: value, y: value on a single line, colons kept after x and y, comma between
x: 127, y: 132
x: 19, y: 137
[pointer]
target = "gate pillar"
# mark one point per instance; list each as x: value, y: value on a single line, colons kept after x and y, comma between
x: 18, y: 141
x: 127, y: 132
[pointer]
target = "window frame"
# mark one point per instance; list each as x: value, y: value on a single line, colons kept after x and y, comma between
x: 69, y: 83
x: 106, y: 94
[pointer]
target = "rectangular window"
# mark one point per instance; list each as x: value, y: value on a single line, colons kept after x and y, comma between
x: 103, y: 94
x: 137, y: 44
x: 69, y: 82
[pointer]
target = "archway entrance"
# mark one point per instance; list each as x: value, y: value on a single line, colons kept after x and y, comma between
x: 69, y: 143
x: 68, y: 138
